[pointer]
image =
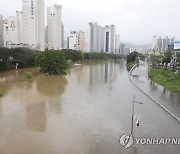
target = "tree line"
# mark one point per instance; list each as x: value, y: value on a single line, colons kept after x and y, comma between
x: 24, y: 57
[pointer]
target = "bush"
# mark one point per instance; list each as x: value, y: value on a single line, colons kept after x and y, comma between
x: 29, y: 75
x: 52, y: 62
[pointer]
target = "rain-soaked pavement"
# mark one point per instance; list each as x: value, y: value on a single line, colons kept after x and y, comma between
x: 84, y: 112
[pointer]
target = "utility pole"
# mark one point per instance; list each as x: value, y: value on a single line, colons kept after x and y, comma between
x: 132, y: 122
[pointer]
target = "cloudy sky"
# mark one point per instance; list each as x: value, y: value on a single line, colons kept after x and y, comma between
x: 136, y: 20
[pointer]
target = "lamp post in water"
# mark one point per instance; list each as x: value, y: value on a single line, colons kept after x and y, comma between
x: 132, y: 122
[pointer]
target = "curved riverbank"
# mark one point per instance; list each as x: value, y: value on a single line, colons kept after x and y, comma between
x: 166, y: 78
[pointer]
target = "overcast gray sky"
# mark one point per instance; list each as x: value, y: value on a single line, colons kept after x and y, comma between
x: 136, y: 20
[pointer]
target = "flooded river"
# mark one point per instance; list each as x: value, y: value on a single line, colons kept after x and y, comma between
x: 83, y: 112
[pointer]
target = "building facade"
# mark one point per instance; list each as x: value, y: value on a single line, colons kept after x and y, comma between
x: 62, y: 36
x: 10, y: 31
x: 54, y: 27
x: 81, y: 40
x: 19, y: 16
x: 33, y: 24
x: 109, y: 41
x: 94, y: 38
x: 73, y: 40
x: 1, y: 32
x: 76, y: 41
x: 117, y: 44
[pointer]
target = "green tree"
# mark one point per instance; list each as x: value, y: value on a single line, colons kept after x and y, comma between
x: 52, y: 62
x: 9, y: 57
x: 167, y: 57
x: 73, y: 55
x: 132, y: 57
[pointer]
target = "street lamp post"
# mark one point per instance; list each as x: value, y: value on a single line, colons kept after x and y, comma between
x: 132, y: 122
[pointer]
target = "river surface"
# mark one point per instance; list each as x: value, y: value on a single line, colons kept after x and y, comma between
x: 83, y: 112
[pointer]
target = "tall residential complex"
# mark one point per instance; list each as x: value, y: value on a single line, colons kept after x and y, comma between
x: 81, y: 40
x: 117, y: 44
x: 73, y: 40
x: 1, y: 32
x: 62, y: 35
x: 101, y: 39
x: 94, y: 38
x: 76, y: 40
x: 109, y: 45
x: 33, y: 23
x: 161, y: 44
x: 19, y: 16
x: 10, y: 31
x: 54, y: 27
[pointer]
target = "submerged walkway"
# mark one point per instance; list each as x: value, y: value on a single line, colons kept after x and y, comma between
x: 165, y: 98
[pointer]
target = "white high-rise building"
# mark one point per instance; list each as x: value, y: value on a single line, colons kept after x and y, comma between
x: 1, y: 32
x: 54, y: 27
x: 155, y: 43
x: 62, y: 35
x: 10, y: 31
x: 19, y: 16
x: 33, y: 23
x: 117, y: 44
x: 76, y: 41
x: 40, y: 25
x: 101, y: 39
x: 94, y: 38
x: 73, y: 40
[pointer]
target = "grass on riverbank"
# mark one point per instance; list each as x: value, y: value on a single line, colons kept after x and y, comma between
x: 1, y: 95
x: 130, y: 65
x: 165, y: 78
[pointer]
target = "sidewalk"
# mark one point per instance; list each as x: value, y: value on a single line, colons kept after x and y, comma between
x: 165, y: 97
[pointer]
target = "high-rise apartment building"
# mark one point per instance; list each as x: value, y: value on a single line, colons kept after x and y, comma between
x: 161, y: 44
x: 10, y: 31
x: 46, y: 37
x: 101, y: 39
x: 62, y: 35
x: 94, y: 38
x: 19, y: 16
x: 81, y: 40
x: 1, y: 32
x: 76, y: 41
x: 54, y: 27
x: 117, y: 44
x: 33, y: 23
x: 73, y: 40
x: 122, y: 49
x: 109, y: 41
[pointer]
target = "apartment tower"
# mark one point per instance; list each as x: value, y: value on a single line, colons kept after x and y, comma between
x: 33, y: 23
x: 54, y: 27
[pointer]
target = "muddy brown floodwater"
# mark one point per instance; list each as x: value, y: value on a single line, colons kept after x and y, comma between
x: 83, y: 112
